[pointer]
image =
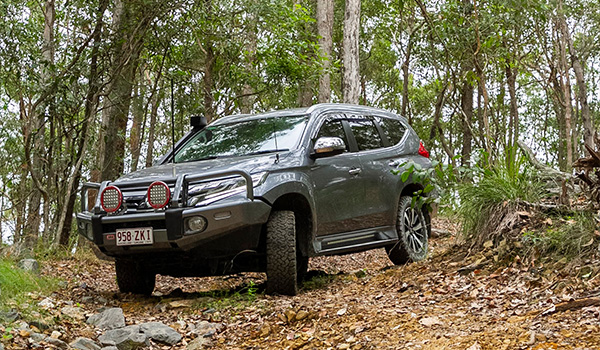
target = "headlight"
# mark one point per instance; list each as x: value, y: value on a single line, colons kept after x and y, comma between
x: 208, y: 192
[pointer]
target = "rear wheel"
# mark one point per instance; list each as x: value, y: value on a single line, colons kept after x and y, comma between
x: 283, y: 265
x: 133, y: 278
x: 412, y: 226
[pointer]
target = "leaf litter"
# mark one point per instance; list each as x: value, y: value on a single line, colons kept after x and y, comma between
x: 455, y: 299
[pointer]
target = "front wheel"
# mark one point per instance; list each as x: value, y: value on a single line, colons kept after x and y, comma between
x: 282, y: 262
x: 133, y: 278
x: 412, y: 226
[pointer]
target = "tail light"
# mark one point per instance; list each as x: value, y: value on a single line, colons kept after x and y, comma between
x: 111, y: 199
x: 422, y: 151
x: 159, y: 195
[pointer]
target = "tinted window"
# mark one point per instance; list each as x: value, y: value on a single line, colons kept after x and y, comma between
x: 365, y: 133
x: 392, y: 128
x: 244, y: 138
x: 333, y: 128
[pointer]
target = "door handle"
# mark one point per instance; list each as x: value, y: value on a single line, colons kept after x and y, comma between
x: 354, y: 171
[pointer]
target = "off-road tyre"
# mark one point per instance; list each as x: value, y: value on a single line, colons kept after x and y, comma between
x: 413, y: 226
x: 282, y: 262
x: 132, y: 278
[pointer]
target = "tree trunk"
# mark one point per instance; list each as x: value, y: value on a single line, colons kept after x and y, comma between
x: 325, y: 33
x: 138, y: 112
x: 466, y: 105
x: 157, y: 98
x: 565, y: 82
x: 91, y: 103
x: 247, y: 98
x: 588, y: 126
x: 351, y: 73
x: 130, y: 23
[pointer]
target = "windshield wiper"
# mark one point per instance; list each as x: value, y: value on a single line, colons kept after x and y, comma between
x: 267, y: 151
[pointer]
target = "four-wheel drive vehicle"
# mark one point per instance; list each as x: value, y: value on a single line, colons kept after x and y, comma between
x: 264, y: 193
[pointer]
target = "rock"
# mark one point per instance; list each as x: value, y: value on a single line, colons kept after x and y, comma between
x: 302, y: 314
x: 82, y: 343
x: 160, y: 332
x: 9, y: 316
x: 30, y: 265
x: 126, y: 338
x: 55, y: 335
x: 75, y: 313
x: 207, y: 329
x: 46, y: 303
x: 1, y: 346
x: 198, y: 344
x: 111, y: 318
x: 430, y: 321
x: 290, y: 315
x: 57, y: 343
x: 37, y: 337
x: 110, y: 348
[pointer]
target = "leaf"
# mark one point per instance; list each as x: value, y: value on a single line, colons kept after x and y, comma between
x: 405, y: 176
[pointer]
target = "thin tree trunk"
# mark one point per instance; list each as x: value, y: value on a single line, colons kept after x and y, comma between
x: 466, y: 105
x: 138, y: 117
x: 325, y: 33
x: 351, y: 73
x: 565, y: 81
x: 247, y: 98
x: 151, y: 129
x: 91, y: 103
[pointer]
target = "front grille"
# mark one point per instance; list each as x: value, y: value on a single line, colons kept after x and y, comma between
x: 134, y: 197
x: 155, y: 224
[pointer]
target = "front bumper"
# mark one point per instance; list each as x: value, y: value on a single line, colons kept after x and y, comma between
x: 237, y: 224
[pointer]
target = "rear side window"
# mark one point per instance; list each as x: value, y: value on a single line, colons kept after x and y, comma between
x: 392, y: 128
x: 333, y: 128
x: 366, y: 134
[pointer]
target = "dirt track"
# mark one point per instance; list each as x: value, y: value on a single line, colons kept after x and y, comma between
x: 359, y: 301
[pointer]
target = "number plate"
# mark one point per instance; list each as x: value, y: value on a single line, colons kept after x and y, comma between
x: 134, y: 236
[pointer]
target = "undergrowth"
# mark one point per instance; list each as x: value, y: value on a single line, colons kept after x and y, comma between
x: 16, y: 283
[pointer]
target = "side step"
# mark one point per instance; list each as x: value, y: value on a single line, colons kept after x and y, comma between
x: 349, y: 242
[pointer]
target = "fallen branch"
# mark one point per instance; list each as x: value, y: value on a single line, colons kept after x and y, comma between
x: 572, y: 305
x: 544, y: 169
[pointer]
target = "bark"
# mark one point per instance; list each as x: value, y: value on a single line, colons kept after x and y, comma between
x: 37, y: 132
x: 209, y: 67
x: 513, y: 124
x: 151, y: 129
x: 350, y: 59
x: 247, y: 97
x: 588, y: 126
x: 565, y: 83
x: 138, y: 112
x: 325, y: 33
x: 466, y: 105
x: 91, y: 103
x: 130, y: 22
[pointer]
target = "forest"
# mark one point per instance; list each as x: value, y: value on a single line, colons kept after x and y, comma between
x: 88, y: 89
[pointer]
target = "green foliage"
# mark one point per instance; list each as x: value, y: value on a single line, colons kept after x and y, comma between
x: 496, y: 186
x: 16, y: 283
x: 569, y: 236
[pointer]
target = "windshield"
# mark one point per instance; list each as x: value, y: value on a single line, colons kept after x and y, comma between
x: 243, y: 138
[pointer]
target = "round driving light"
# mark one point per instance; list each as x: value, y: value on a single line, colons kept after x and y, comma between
x: 197, y: 223
x: 158, y: 195
x: 111, y: 199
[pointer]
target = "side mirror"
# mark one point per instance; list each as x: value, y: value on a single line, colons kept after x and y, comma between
x: 328, y: 146
x: 198, y: 122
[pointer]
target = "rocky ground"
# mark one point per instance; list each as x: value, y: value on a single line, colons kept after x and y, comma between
x: 453, y: 300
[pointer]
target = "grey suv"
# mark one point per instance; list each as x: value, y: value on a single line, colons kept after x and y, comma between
x: 264, y: 193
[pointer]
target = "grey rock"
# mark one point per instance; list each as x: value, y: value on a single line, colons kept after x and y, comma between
x: 30, y: 265
x: 57, y: 343
x: 111, y: 318
x: 198, y: 344
x: 37, y: 337
x: 9, y: 316
x: 206, y: 329
x: 87, y: 299
x: 1, y: 346
x: 160, y: 332
x: 110, y: 348
x: 46, y: 303
x: 126, y: 338
x: 73, y: 312
x: 82, y: 343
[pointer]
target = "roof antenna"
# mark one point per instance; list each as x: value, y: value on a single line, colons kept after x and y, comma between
x: 172, y: 120
x: 276, y: 146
